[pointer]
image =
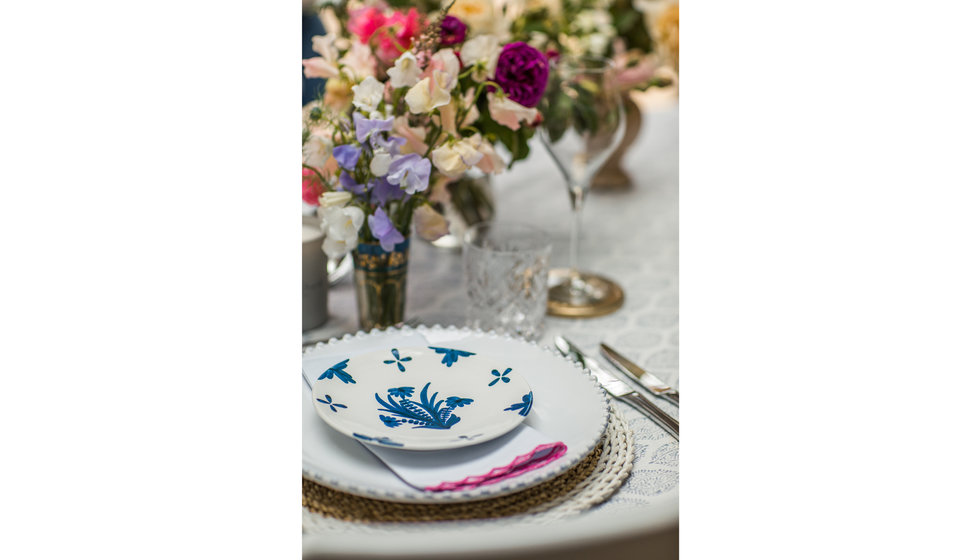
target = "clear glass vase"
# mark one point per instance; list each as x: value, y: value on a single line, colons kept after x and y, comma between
x: 380, y: 283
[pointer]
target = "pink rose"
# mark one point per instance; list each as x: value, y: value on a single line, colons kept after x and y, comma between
x: 365, y: 22
x: 312, y: 187
x: 389, y: 35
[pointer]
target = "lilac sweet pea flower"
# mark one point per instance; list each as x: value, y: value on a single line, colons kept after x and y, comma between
x: 347, y: 155
x: 391, y: 145
x: 365, y: 127
x: 348, y: 183
x: 411, y: 172
x: 382, y: 191
x: 384, y: 231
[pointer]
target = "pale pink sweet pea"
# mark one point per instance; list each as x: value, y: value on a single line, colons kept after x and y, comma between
x: 491, y: 161
x: 447, y: 118
x: 626, y: 77
x: 414, y: 136
x: 325, y: 65
x: 324, y: 46
x: 319, y: 67
x: 429, y: 224
x: 358, y: 63
x: 510, y: 113
x: 444, y: 67
x: 317, y: 150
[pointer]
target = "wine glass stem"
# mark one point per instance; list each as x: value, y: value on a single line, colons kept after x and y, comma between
x: 578, y: 201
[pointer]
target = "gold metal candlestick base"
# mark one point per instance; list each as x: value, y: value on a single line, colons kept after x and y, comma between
x: 581, y: 294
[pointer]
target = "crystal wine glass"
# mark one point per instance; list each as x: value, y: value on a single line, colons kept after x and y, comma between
x: 583, y: 125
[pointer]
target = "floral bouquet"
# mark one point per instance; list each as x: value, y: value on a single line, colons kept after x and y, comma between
x: 408, y: 103
x: 615, y: 29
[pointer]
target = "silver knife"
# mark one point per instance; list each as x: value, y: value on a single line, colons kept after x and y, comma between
x: 618, y: 388
x: 649, y: 380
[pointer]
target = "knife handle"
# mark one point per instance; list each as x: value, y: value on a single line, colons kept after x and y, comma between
x: 651, y: 411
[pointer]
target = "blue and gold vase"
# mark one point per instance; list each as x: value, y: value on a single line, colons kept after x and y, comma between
x: 379, y: 280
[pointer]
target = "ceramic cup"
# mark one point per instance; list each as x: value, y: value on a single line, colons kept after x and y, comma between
x: 315, y: 281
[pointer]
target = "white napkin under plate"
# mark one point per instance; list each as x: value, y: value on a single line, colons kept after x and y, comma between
x: 516, y: 452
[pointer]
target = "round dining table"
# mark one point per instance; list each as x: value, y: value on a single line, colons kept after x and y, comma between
x: 629, y: 235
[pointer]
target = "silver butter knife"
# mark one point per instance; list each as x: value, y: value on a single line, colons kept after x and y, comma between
x: 649, y: 380
x: 618, y: 388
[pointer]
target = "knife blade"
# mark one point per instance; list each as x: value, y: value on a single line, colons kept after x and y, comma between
x: 649, y: 380
x: 619, y: 389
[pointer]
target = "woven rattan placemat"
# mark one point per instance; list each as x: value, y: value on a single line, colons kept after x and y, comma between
x: 590, y: 482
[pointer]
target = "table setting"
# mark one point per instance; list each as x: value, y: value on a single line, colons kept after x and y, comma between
x: 523, y: 371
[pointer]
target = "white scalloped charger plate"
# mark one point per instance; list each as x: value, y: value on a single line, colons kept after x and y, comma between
x: 422, y: 398
x: 569, y: 406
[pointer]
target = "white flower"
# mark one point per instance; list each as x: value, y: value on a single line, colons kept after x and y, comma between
x: 483, y: 52
x: 341, y: 226
x: 334, y: 198
x: 510, y: 113
x: 477, y: 14
x: 454, y: 158
x: 317, y: 151
x: 380, y: 163
x: 426, y: 96
x: 405, y: 72
x: 429, y: 224
x: 538, y: 40
x: 594, y: 20
x: 597, y: 44
x: 368, y: 93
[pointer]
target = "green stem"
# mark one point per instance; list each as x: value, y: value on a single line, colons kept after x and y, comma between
x: 432, y: 141
x: 318, y: 174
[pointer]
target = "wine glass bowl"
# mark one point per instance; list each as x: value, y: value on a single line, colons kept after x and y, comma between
x: 583, y: 125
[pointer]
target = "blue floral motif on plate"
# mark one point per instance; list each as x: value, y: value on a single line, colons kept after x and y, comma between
x: 424, y: 413
x: 523, y: 407
x: 451, y: 355
x: 399, y: 360
x: 329, y: 402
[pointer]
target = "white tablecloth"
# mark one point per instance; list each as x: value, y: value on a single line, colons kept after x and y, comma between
x: 629, y: 236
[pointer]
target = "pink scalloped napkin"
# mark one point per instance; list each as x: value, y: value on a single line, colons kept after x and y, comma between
x: 521, y: 450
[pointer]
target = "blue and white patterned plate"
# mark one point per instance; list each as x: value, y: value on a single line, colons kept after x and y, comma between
x: 568, y: 406
x: 422, y: 398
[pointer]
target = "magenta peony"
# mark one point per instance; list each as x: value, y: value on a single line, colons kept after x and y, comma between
x: 452, y: 32
x: 522, y: 72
